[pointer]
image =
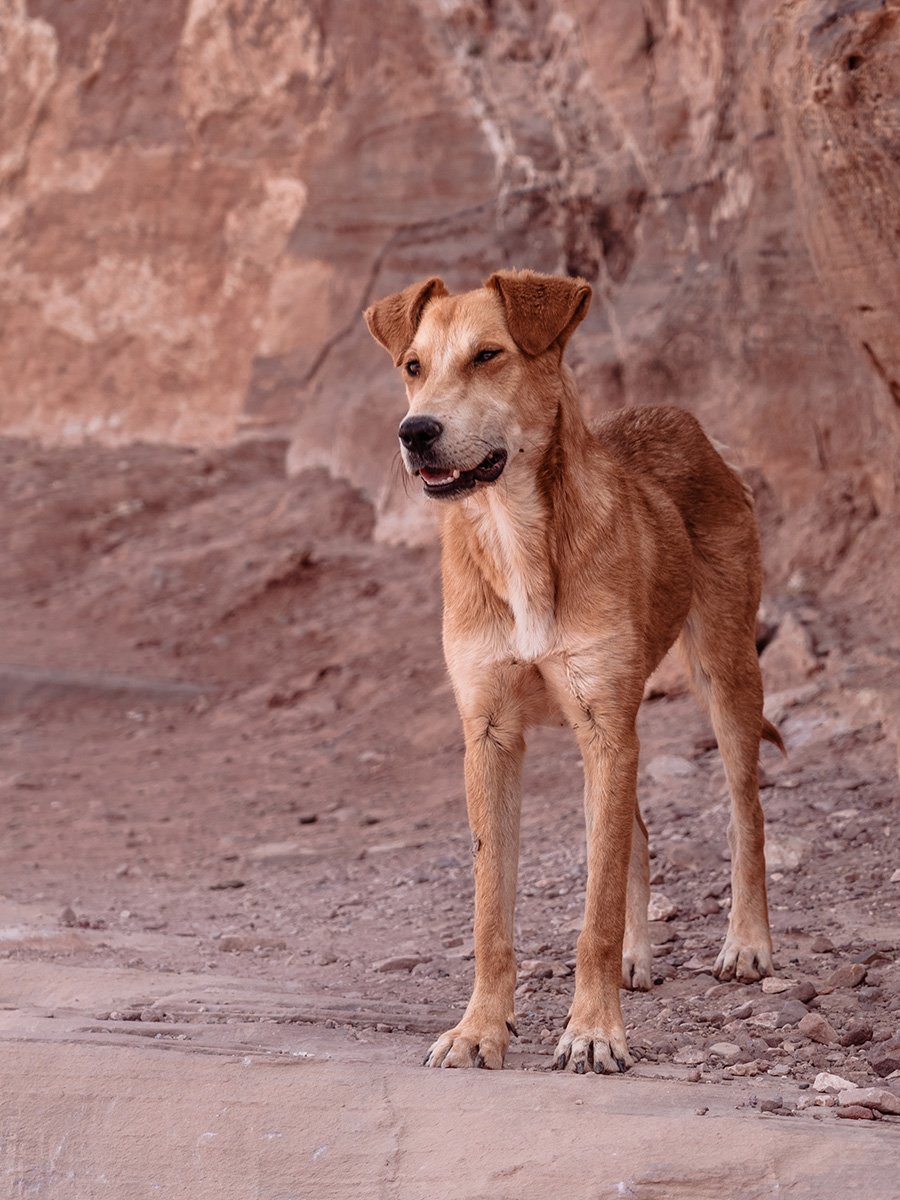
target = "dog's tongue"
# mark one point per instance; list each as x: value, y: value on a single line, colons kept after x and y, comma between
x: 435, y: 476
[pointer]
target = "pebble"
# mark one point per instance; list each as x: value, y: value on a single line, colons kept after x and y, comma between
x: 895, y: 878
x: 790, y: 1013
x: 669, y: 768
x: 689, y: 1056
x: 822, y: 945
x: 742, y: 1013
x: 661, y: 934
x: 661, y: 908
x: 857, y: 1033
x: 804, y: 992
x: 855, y: 1112
x: 400, y: 962
x: 886, y: 1058
x: 785, y: 852
x: 68, y: 917
x: 878, y: 1098
x: 817, y: 1029
x: 742, y: 1069
x: 772, y: 986
x: 849, y: 975
x: 250, y: 941
x: 773, y: 1105
x: 825, y: 1081
x: 729, y: 1052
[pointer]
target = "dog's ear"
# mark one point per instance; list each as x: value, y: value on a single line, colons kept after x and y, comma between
x: 541, y: 309
x: 393, y: 321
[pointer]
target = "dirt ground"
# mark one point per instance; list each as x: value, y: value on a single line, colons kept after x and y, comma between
x: 230, y: 752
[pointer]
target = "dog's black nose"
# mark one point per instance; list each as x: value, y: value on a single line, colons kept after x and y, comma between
x: 417, y: 433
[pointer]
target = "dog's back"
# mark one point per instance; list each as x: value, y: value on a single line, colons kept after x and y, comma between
x: 668, y: 446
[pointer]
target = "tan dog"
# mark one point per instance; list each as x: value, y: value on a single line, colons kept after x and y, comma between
x: 572, y: 560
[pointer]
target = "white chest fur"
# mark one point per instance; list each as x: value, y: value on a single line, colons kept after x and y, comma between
x: 512, y: 532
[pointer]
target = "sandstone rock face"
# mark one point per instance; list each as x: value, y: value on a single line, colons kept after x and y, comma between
x: 198, y: 198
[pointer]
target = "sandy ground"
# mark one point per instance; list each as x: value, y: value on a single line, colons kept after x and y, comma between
x: 234, y: 841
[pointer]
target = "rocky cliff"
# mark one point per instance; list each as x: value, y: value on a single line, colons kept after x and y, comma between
x: 198, y: 198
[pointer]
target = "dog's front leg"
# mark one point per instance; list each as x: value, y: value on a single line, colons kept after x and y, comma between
x: 594, y: 1038
x: 494, y: 751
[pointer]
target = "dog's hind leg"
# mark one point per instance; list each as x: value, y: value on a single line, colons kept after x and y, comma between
x: 637, y: 956
x: 722, y: 655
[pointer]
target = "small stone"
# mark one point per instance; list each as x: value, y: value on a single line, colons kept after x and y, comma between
x: 708, y: 907
x: 670, y: 768
x: 857, y: 1033
x: 227, y: 885
x: 742, y: 1013
x: 771, y: 1106
x: 849, y: 975
x: 237, y: 942
x: 661, y: 908
x: 855, y: 1112
x: 817, y: 1029
x: 790, y: 1013
x: 885, y: 1059
x: 804, y: 992
x: 661, y: 934
x: 785, y: 852
x: 772, y: 986
x: 825, y: 1082
x: 690, y: 1056
x: 895, y: 878
x: 729, y: 1052
x: 822, y: 945
x: 68, y: 917
x: 743, y: 1069
x: 400, y: 962
x: 780, y: 1069
x: 535, y: 968
x: 878, y: 1098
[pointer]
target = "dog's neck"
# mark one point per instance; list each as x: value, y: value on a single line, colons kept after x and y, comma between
x: 513, y: 532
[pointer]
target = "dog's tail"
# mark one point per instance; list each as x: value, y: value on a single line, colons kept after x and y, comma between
x: 770, y: 734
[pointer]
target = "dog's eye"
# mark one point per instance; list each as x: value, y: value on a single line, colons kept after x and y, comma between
x: 412, y: 368
x: 484, y: 356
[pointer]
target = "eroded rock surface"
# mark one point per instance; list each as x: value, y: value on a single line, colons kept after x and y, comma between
x: 198, y: 199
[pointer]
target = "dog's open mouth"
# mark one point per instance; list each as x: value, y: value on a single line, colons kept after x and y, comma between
x: 440, y: 481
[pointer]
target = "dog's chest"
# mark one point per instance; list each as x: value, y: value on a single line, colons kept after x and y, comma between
x: 516, y: 545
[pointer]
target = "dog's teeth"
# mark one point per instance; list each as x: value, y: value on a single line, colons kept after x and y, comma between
x: 455, y: 474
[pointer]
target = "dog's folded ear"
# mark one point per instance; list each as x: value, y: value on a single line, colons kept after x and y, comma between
x: 393, y: 321
x: 541, y: 310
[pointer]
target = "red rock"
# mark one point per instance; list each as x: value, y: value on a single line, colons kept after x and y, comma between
x: 881, y: 1099
x: 849, y: 975
x: 855, y: 1112
x: 817, y: 1029
x: 857, y: 1033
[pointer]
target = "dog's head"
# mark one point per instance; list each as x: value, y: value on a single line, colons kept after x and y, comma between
x: 479, y: 370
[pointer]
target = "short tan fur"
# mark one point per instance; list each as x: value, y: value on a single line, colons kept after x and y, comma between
x: 572, y: 559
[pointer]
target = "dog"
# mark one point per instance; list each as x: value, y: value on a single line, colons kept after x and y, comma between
x: 573, y: 558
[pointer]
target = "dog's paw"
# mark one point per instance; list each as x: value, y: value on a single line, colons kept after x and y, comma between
x: 744, y: 959
x: 471, y: 1044
x: 592, y: 1047
x: 637, y: 968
